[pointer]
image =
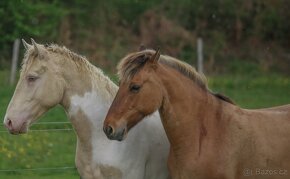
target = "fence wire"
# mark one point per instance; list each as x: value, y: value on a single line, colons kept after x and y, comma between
x: 46, y: 123
x: 37, y: 169
x: 46, y: 130
x: 41, y: 130
x: 49, y: 123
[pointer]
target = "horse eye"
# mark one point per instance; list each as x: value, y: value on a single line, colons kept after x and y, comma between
x: 135, y: 88
x: 31, y: 78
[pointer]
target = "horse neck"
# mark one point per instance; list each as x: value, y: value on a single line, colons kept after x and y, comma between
x: 189, y: 113
x: 88, y: 94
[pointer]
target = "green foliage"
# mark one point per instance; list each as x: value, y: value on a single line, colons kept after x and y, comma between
x: 113, y: 27
x: 28, y: 18
x: 272, y: 22
x: 130, y: 10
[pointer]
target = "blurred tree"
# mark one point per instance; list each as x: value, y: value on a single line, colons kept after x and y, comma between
x: 227, y: 26
x: 28, y: 18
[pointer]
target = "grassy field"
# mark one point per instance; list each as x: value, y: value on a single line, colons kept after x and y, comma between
x: 57, y: 149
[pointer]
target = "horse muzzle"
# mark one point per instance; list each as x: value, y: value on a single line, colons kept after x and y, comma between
x: 16, y: 126
x: 119, y: 134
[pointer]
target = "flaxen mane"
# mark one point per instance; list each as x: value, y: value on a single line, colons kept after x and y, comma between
x: 133, y: 62
x: 79, y: 60
x: 62, y: 54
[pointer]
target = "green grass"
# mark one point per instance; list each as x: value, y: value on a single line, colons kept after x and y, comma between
x: 253, y: 92
x: 57, y: 149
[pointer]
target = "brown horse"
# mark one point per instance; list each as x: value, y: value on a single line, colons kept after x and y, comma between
x: 210, y: 136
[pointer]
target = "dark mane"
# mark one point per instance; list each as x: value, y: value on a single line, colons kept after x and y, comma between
x: 224, y: 98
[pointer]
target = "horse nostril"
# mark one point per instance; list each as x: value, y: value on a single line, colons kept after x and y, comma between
x: 9, y: 123
x: 108, y: 130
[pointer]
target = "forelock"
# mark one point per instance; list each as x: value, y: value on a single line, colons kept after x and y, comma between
x: 133, y: 63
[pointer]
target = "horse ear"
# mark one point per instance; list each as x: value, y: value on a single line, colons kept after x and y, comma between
x: 35, y: 45
x: 154, y: 59
x: 25, y: 44
x: 40, y: 50
x: 142, y: 47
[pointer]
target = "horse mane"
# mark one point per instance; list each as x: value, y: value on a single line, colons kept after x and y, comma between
x: 132, y: 63
x: 81, y: 63
x: 224, y: 98
x: 79, y: 60
x: 186, y: 70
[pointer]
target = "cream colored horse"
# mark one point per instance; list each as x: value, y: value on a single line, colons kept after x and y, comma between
x: 54, y: 75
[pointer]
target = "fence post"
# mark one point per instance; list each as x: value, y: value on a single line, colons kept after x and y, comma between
x: 15, y: 55
x: 199, y: 55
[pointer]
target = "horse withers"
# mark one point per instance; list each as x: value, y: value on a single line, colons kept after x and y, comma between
x: 54, y: 75
x: 210, y: 136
